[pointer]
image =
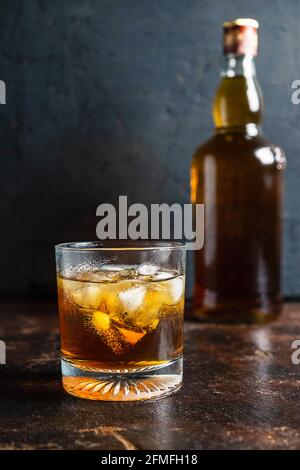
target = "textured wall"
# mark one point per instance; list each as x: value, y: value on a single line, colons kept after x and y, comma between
x: 109, y: 97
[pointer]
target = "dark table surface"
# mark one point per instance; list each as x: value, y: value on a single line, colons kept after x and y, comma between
x: 240, y: 390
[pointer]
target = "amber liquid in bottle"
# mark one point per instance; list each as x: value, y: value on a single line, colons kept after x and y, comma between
x: 237, y: 175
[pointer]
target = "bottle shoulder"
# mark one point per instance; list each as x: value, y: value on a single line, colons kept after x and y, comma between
x: 239, y: 148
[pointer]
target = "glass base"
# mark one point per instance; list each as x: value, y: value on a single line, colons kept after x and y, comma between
x: 141, y: 384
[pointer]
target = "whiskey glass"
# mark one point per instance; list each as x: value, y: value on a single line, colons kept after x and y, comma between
x: 121, y: 308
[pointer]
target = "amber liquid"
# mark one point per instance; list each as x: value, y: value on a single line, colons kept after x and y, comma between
x: 237, y: 174
x: 126, y: 322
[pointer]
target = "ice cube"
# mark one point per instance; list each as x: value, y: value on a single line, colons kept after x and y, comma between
x: 132, y: 298
x: 88, y: 295
x: 112, y: 272
x: 176, y: 287
x: 67, y: 285
x: 82, y: 272
x: 147, y: 269
x: 162, y: 275
x: 149, y: 313
x: 112, y: 302
x: 117, y: 267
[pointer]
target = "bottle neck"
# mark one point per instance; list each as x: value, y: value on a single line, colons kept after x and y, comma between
x: 238, y: 66
x: 238, y: 102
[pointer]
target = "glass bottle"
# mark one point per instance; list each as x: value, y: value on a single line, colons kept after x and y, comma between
x: 238, y: 175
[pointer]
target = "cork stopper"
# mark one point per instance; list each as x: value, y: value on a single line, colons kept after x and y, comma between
x: 240, y: 37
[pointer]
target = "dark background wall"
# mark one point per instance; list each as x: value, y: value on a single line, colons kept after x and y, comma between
x: 109, y: 97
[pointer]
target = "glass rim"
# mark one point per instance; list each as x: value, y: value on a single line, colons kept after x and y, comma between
x: 120, y: 245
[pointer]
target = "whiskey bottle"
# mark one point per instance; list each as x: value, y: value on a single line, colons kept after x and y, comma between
x: 237, y: 174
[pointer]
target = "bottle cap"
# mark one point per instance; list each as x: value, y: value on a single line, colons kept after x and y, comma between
x: 240, y: 37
